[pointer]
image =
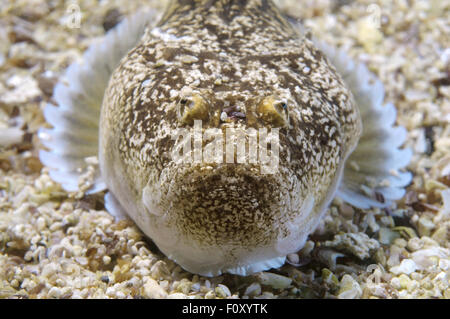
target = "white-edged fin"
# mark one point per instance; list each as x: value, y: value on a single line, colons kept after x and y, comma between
x: 74, y: 136
x: 113, y: 207
x: 256, y: 267
x: 246, y: 270
x: 374, y: 174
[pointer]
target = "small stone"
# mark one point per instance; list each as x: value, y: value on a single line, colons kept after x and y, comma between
x: 441, y: 235
x: 444, y: 264
x: 10, y: 136
x: 415, y: 244
x: 153, y: 290
x: 188, y: 59
x: 223, y: 116
x: 425, y: 226
x: 346, y: 210
x: 110, y: 291
x: 380, y: 256
x: 447, y: 294
x: 106, y: 260
x: 395, y: 283
x: 177, y: 295
x: 40, y: 223
x: 21, y: 33
x: 33, y: 165
x: 412, y: 285
x: 46, y: 84
x: 446, y: 199
x: 55, y: 292
x: 184, y: 286
x: 159, y: 270
x: 293, y: 258
x: 386, y: 236
x: 274, y: 280
x: 111, y: 19
x: 105, y: 279
x: 358, y: 244
x: 329, y: 257
x: 120, y: 295
x: 400, y: 242
x: 407, y: 266
x: 159, y: 63
x: 349, y: 288
x: 329, y: 278
x: 404, y: 281
x: 210, y: 295
x: 196, y: 287
x: 83, y: 261
x: 253, y: 290
x: 222, y: 291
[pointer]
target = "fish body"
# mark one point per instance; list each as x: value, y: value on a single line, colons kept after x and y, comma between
x: 219, y: 67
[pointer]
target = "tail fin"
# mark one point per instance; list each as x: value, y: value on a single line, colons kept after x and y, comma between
x: 75, y: 121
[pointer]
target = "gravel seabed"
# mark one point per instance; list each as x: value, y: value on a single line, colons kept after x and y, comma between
x: 55, y: 244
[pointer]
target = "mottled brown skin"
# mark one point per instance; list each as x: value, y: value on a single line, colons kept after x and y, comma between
x: 213, y: 55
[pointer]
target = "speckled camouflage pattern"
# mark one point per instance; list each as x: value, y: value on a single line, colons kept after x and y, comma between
x: 230, y: 54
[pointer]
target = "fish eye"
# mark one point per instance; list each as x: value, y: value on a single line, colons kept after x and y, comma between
x: 281, y: 106
x: 185, y: 104
x: 274, y: 112
x: 192, y: 108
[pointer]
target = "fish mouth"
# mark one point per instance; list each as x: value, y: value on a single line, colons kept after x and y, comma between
x: 229, y: 204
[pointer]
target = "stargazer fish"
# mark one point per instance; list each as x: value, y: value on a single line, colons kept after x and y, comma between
x: 215, y: 66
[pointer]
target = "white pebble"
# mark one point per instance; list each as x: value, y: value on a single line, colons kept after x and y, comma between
x: 253, y: 290
x: 110, y: 291
x: 188, y: 59
x: 55, y: 292
x: 153, y: 290
x: 293, y: 258
x: 444, y: 264
x: 222, y: 291
x: 106, y: 260
x: 350, y: 289
x: 177, y: 295
x: 407, y: 266
x: 223, y: 116
x: 40, y: 223
x: 120, y: 295
x: 274, y: 280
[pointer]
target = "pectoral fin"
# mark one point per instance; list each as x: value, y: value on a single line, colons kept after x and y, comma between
x: 374, y: 174
x: 75, y: 120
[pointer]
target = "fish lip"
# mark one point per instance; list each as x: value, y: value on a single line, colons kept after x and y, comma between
x: 207, y: 178
x: 228, y: 197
